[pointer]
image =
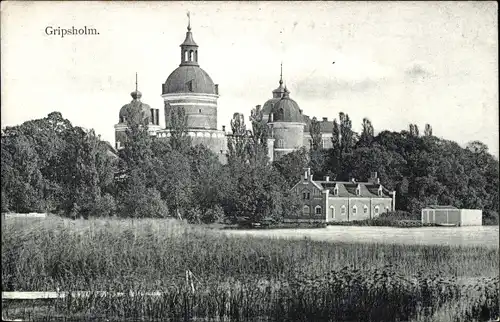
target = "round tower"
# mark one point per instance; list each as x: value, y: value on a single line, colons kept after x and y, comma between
x: 136, y: 112
x: 190, y: 87
x: 286, y: 123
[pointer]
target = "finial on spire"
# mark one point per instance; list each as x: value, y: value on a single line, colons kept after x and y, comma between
x: 136, y: 95
x: 281, y: 74
x: 189, y: 20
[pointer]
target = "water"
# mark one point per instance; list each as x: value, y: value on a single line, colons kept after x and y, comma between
x: 457, y: 236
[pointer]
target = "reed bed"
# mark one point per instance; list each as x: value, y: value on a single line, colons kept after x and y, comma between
x: 241, y: 278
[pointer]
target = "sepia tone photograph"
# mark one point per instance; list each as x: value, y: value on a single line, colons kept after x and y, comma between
x: 250, y: 161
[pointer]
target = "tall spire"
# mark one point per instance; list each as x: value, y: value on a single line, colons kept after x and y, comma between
x: 136, y: 95
x: 281, y: 74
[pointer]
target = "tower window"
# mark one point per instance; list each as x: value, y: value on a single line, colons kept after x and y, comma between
x: 191, y: 55
x: 185, y: 55
x: 196, y: 55
x: 199, y: 111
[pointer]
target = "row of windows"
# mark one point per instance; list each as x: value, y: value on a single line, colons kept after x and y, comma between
x: 191, y: 55
x: 318, y: 210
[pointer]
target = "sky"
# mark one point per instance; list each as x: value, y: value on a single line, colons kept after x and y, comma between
x: 396, y: 63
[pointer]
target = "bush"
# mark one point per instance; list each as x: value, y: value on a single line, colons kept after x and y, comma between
x: 490, y: 217
x: 212, y: 215
x: 193, y: 215
x: 399, y: 215
x: 105, y: 206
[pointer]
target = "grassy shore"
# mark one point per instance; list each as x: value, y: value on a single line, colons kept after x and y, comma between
x: 243, y: 278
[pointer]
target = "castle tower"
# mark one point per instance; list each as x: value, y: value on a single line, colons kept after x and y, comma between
x: 286, y: 124
x: 190, y: 87
x: 142, y: 113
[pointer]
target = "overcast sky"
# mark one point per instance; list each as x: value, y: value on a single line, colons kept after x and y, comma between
x: 395, y: 63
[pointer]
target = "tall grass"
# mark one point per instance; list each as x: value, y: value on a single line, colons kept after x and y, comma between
x: 244, y: 278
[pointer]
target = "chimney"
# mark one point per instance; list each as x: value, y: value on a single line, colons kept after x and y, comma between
x: 325, y: 119
x: 374, y: 178
x: 217, y: 89
x: 327, y: 178
x: 307, y: 174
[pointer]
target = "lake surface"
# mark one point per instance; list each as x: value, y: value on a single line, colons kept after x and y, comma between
x: 457, y: 236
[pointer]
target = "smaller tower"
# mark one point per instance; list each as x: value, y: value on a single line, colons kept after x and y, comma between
x: 138, y: 112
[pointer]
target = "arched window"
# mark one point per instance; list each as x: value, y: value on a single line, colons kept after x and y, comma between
x: 365, y: 209
x: 380, y: 191
x: 306, y: 210
x: 317, y: 210
x: 191, y: 55
x: 332, y: 212
x: 354, y: 210
x: 186, y: 55
x: 336, y: 191
x: 358, y: 190
x: 377, y: 210
x: 342, y: 210
x: 196, y: 55
x: 306, y: 195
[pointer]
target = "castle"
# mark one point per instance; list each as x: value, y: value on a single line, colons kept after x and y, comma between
x: 191, y: 88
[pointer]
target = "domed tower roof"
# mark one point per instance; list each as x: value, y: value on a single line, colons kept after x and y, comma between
x: 135, y: 108
x: 189, y: 77
x: 287, y: 110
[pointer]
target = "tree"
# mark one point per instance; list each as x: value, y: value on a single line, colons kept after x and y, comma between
x: 237, y: 142
x: 179, y: 139
x: 291, y: 166
x: 176, y: 187
x: 260, y: 133
x: 315, y: 132
x: 211, y: 182
x: 347, y: 135
x: 414, y: 130
x: 367, y: 133
x: 428, y: 130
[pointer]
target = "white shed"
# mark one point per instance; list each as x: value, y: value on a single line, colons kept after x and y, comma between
x: 452, y: 216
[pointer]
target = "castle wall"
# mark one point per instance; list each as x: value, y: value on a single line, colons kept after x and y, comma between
x: 214, y: 140
x: 288, y: 137
x: 200, y: 109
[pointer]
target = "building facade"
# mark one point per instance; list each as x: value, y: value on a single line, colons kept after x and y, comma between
x: 329, y: 200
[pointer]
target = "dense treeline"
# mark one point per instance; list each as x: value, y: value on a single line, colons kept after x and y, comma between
x: 49, y: 165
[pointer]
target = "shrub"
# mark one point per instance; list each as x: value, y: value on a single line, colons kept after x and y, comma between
x: 105, y: 206
x: 490, y: 217
x: 214, y: 214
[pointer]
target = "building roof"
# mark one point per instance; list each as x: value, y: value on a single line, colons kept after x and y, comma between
x: 325, y: 125
x: 189, y: 78
x: 189, y: 41
x: 348, y: 189
x: 135, y: 106
x: 287, y: 110
x: 440, y: 207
